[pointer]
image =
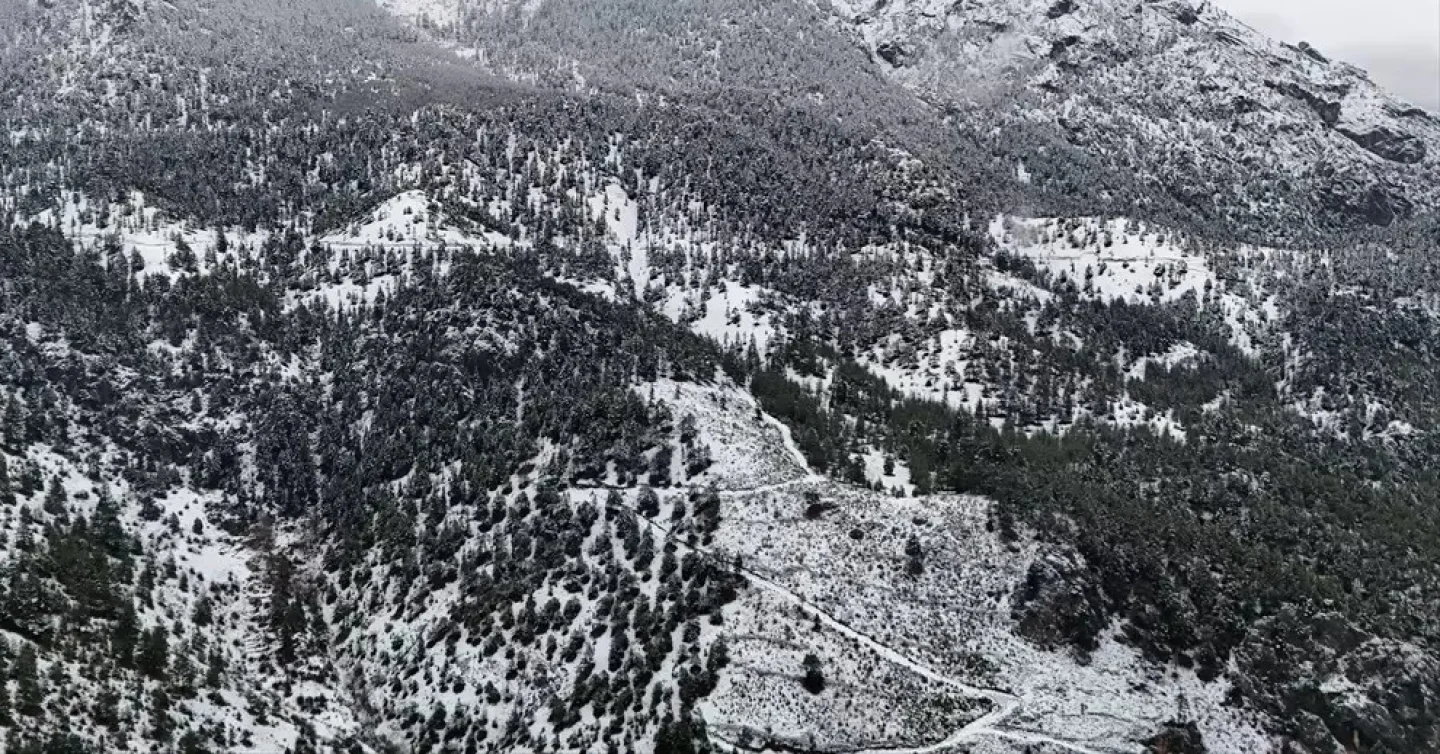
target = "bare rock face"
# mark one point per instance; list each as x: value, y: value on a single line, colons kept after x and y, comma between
x: 1390, y: 144
x: 1178, y: 738
x: 1376, y: 203
x: 894, y: 53
x: 1327, y: 108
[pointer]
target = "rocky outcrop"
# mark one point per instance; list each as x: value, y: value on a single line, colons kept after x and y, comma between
x: 1060, y: 8
x: 1375, y: 204
x: 1176, y: 94
x: 1327, y: 108
x: 893, y: 53
x: 1060, y: 603
x: 1178, y: 738
x: 1309, y: 51
x: 1390, y: 144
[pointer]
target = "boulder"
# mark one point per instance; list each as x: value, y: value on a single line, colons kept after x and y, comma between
x: 1177, y: 738
x: 1061, y: 8
x: 1061, y: 602
x: 893, y: 53
x: 1309, y: 51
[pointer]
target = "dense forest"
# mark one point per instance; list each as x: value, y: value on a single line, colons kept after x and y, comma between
x: 294, y: 485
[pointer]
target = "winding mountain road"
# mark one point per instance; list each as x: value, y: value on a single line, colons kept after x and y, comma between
x: 1005, y: 703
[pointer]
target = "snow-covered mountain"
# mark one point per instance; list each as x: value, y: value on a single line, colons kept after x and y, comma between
x: 1167, y: 106
x: 1198, y: 104
x: 737, y: 376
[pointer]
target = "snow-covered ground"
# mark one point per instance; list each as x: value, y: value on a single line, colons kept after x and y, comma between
x: 438, y: 13
x: 935, y: 653
x: 1123, y: 260
x: 140, y: 229
x: 407, y: 220
x: 197, y: 561
x: 730, y: 314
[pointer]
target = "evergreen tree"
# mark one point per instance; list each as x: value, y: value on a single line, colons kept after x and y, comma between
x: 161, y: 725
x: 914, y: 557
x: 7, y: 717
x: 682, y: 737
x: 648, y: 503
x: 12, y: 425
x: 7, y: 490
x: 153, y: 657
x: 29, y: 693
x: 214, y: 669
x: 814, y: 674
x: 55, y: 497
x: 125, y: 634
x: 191, y: 743
x: 107, y: 530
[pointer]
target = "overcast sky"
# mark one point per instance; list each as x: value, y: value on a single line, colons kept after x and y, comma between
x: 1397, y: 41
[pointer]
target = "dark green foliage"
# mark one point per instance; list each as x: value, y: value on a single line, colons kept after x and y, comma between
x: 152, y: 656
x: 7, y: 489
x: 1178, y: 738
x: 393, y: 433
x: 681, y: 737
x: 914, y: 557
x: 125, y: 635
x: 814, y: 680
x: 162, y: 726
x: 29, y: 693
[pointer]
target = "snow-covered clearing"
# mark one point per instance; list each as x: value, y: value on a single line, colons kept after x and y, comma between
x: 834, y: 584
x: 408, y: 220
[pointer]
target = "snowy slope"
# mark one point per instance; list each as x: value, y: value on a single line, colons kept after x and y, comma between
x: 912, y: 662
x: 1257, y: 133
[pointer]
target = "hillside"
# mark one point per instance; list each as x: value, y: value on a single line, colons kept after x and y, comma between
x: 635, y: 377
x: 1240, y: 130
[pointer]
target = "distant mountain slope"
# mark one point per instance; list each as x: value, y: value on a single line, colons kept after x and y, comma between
x: 1170, y: 109
x: 1238, y: 128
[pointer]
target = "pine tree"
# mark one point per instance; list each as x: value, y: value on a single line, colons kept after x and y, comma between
x: 125, y: 636
x: 7, y: 491
x: 192, y: 743
x: 914, y: 557
x: 12, y: 426
x: 153, y: 658
x: 214, y: 669
x: 7, y: 717
x: 29, y: 694
x: 182, y: 676
x: 814, y: 674
x: 107, y: 708
x: 106, y: 528
x: 648, y: 503
x: 55, y: 497
x: 161, y: 725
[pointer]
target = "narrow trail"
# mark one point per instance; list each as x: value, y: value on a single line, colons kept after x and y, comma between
x: 766, y: 487
x: 1005, y: 703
